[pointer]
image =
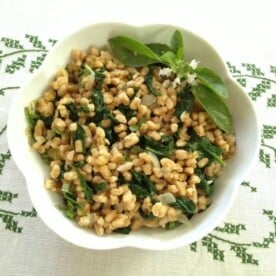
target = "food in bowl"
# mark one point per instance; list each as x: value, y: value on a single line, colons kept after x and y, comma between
x: 133, y: 135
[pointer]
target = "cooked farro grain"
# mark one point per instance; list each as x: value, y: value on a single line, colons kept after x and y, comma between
x: 114, y: 148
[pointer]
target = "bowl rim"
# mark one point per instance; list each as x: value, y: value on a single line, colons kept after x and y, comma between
x: 119, y: 243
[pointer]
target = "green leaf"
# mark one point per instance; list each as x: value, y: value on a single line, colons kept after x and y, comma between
x: 159, y: 48
x: 132, y: 52
x: 210, y: 79
x: 172, y: 225
x: 73, y: 111
x: 88, y: 192
x: 185, y: 102
x: 148, y: 81
x: 169, y: 58
x: 162, y: 148
x: 111, y: 135
x: 202, y: 144
x: 177, y: 44
x: 214, y: 106
x: 206, y: 184
x: 141, y: 185
x: 100, y: 187
x: 79, y: 134
x: 187, y: 206
x: 71, y: 204
x: 127, y: 111
x: 123, y: 230
x: 146, y: 215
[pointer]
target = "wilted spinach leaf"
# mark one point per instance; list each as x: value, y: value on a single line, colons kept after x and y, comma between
x: 187, y: 206
x: 162, y: 148
x: 141, y: 185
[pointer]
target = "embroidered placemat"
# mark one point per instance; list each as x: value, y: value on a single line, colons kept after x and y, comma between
x: 244, y: 244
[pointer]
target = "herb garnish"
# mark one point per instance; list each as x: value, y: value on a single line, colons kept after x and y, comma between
x: 208, y: 88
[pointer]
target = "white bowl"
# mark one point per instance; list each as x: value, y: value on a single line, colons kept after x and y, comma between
x: 46, y: 203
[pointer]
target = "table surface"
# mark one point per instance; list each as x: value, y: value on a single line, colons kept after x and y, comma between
x: 243, y: 32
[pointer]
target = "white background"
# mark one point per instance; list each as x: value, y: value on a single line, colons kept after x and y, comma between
x: 238, y: 29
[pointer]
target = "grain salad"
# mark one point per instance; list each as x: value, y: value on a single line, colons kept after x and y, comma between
x: 131, y: 144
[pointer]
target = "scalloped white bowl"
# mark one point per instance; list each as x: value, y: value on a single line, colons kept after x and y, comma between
x: 29, y: 163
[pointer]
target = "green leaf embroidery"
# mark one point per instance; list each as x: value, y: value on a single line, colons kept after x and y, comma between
x: 260, y: 88
x: 265, y: 158
x: 7, y: 196
x: 35, y: 41
x: 247, y: 184
x: 271, y: 102
x: 16, y: 64
x: 4, y: 157
x: 241, y: 252
x: 37, y: 62
x: 212, y: 247
x: 11, y: 43
x: 232, y: 68
x: 255, y: 71
x: 231, y: 228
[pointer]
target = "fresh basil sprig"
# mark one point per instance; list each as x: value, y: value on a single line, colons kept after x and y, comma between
x: 208, y: 87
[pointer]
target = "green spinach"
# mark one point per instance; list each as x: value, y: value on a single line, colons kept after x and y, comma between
x: 162, y: 148
x: 87, y: 190
x: 203, y: 145
x: 172, y: 225
x: 123, y: 230
x: 148, y: 81
x: 79, y: 134
x: 185, y: 101
x: 70, y: 202
x: 141, y: 185
x: 206, y: 183
x: 187, y: 206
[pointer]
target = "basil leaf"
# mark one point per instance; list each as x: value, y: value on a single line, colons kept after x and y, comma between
x: 169, y: 58
x: 159, y: 48
x: 210, y: 79
x: 187, y: 206
x: 214, y: 106
x: 177, y: 44
x: 132, y: 52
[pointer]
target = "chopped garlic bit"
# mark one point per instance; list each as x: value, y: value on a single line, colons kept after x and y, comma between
x: 194, y: 64
x: 166, y: 72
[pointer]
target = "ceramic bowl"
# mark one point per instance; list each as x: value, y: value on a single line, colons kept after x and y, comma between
x: 46, y: 203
